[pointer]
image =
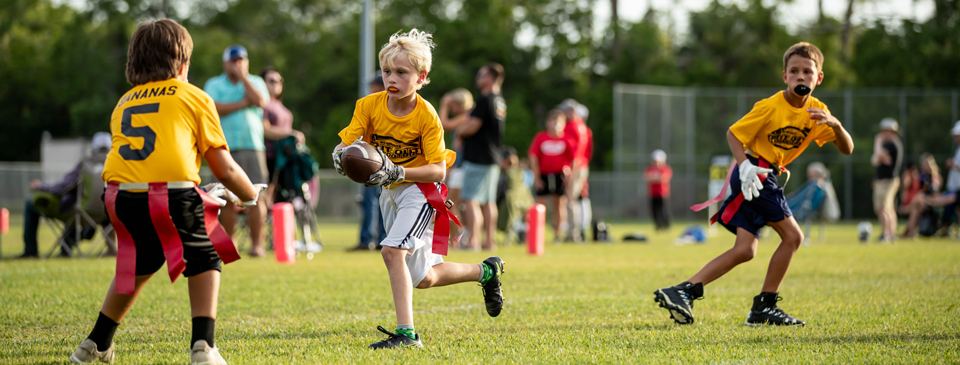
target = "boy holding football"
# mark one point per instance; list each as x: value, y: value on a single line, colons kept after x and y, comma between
x: 765, y: 140
x: 160, y: 130
x: 407, y: 132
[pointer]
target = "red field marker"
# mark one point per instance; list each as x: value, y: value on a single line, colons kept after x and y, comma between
x: 283, y: 233
x: 536, y: 217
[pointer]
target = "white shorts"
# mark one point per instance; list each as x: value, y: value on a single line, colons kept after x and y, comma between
x: 455, y: 178
x: 408, y: 220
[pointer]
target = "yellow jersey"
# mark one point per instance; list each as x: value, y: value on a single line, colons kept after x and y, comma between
x: 413, y: 140
x: 160, y: 131
x: 778, y: 132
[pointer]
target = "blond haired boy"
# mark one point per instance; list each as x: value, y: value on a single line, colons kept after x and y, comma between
x: 406, y: 130
x: 160, y: 129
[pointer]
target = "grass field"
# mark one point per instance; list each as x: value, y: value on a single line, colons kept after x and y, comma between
x: 576, y: 304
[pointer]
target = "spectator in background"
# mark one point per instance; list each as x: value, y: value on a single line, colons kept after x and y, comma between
x: 67, y: 189
x: 909, y: 187
x: 513, y: 197
x: 277, y: 124
x: 929, y: 195
x: 576, y: 130
x: 482, y: 136
x: 371, y: 225
x: 586, y: 208
x: 240, y: 98
x: 887, y: 156
x: 455, y: 110
x: 551, y: 157
x: 658, y: 177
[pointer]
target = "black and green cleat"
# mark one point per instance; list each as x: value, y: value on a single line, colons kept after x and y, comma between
x: 492, y: 293
x: 394, y: 340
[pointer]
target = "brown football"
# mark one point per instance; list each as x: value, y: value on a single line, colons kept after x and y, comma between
x: 359, y: 161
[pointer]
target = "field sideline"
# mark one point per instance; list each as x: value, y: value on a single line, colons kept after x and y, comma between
x: 578, y: 303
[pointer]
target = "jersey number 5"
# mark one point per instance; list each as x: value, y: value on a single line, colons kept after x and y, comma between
x: 127, y: 129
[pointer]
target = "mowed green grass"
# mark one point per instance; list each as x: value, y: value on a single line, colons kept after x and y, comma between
x: 575, y: 304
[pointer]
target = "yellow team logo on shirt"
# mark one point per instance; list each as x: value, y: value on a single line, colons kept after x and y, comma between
x: 398, y: 151
x: 788, y: 138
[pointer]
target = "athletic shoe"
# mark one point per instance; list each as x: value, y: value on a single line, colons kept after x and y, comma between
x: 394, y: 340
x: 492, y: 294
x: 678, y: 300
x: 203, y: 354
x: 87, y: 353
x: 765, y: 311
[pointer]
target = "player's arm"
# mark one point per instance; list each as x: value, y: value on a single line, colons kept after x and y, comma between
x: 470, y: 128
x: 736, y: 147
x: 226, y: 170
x: 434, y: 172
x: 843, y: 142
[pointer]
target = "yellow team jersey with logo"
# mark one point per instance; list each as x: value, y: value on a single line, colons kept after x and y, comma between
x: 778, y: 132
x: 413, y: 140
x: 160, y: 131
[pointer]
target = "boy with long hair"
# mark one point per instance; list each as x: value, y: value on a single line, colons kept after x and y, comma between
x: 407, y: 132
x: 765, y: 140
x: 160, y: 130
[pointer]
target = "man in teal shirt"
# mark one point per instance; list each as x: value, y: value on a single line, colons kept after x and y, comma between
x: 240, y: 98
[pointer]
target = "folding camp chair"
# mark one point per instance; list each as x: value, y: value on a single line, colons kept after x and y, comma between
x: 86, y: 218
x: 295, y: 169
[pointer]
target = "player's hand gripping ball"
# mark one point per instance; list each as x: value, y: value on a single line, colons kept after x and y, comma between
x: 359, y: 160
x: 388, y: 174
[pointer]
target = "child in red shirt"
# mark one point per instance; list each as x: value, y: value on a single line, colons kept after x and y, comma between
x: 551, y: 156
x: 658, y: 177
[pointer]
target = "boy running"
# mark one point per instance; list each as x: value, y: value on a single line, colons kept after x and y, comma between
x: 765, y: 140
x: 407, y: 131
x: 160, y: 129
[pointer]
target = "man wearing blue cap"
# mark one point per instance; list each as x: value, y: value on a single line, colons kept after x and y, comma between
x: 240, y: 98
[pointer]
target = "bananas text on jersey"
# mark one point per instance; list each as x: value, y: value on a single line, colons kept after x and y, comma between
x: 149, y: 93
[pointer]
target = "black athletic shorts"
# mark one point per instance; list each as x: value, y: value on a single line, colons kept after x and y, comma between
x: 552, y: 185
x: 186, y: 211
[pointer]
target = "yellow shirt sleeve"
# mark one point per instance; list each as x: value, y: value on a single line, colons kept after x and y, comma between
x: 434, y: 148
x: 209, y: 131
x: 358, y: 124
x: 747, y: 128
x: 826, y: 134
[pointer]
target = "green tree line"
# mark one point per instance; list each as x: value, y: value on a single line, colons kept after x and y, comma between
x: 62, y: 67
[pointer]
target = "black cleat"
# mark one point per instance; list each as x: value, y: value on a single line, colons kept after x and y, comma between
x: 766, y: 312
x: 394, y: 340
x: 679, y: 300
x: 492, y: 294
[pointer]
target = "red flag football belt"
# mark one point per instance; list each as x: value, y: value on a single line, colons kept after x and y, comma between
x: 441, y: 226
x: 167, y: 232
x: 734, y: 205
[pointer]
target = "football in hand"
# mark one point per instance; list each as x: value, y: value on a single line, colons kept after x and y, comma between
x: 359, y: 161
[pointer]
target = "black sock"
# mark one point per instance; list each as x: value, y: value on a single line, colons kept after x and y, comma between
x: 103, y: 332
x: 203, y: 330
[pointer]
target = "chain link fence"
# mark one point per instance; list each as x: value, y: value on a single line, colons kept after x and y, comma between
x: 689, y: 124
x: 338, y: 195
